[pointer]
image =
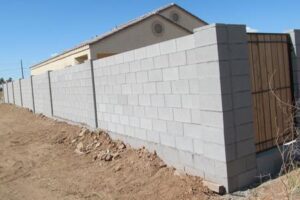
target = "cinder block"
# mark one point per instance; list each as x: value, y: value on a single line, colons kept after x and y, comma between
x: 139, y: 53
x: 170, y: 74
x: 193, y: 131
x: 180, y: 87
x: 177, y: 59
x: 182, y: 115
x: 240, y: 67
x: 146, y: 124
x: 159, y: 125
x: 163, y: 87
x: 134, y: 121
x: 153, y: 136
x: 161, y: 61
x: 153, y: 50
x: 128, y: 56
x: 168, y: 47
x: 133, y: 99
x: 151, y: 112
x: 186, y: 158
x: 214, y: 151
x: 157, y: 100
x: 165, y: 113
x: 207, y: 36
x: 188, y: 72
x: 168, y: 140
x: 173, y: 101
x: 155, y: 75
x: 140, y: 134
x: 130, y: 78
x: 185, y: 144
x: 135, y: 66
x: 137, y: 88
x: 144, y: 100
x: 147, y: 64
x: 204, y: 54
x: 243, y: 115
x: 139, y: 111
x: 198, y: 146
x: 186, y: 42
x: 142, y: 77
x: 175, y: 128
x: 241, y: 83
x: 149, y: 88
x: 245, y: 147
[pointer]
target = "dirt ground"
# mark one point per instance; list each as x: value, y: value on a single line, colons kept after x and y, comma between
x: 41, y: 158
x: 37, y: 161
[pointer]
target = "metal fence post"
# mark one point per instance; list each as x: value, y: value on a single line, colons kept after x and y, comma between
x: 94, y: 93
x: 33, y: 105
x: 50, y: 93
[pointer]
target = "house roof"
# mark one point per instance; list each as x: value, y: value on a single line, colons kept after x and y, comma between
x: 124, y: 26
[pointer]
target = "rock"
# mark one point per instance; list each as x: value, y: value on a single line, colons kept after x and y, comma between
x: 97, y: 144
x: 83, y: 132
x: 74, y: 140
x: 179, y: 173
x: 108, y: 157
x: 117, y: 168
x: 220, y: 189
x: 121, y: 146
x: 79, y: 146
x: 116, y: 156
x: 162, y: 165
x: 78, y: 152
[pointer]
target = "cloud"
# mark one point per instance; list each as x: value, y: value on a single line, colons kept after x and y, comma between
x: 54, y: 54
x: 251, y: 30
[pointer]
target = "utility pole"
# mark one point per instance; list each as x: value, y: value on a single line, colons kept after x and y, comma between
x: 22, y: 69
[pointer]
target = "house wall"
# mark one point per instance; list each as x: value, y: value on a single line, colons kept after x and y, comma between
x: 186, y: 20
x: 61, y: 61
x: 137, y: 36
x: 188, y: 99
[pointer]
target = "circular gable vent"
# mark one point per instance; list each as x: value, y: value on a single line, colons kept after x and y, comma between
x: 157, y: 28
x: 175, y: 16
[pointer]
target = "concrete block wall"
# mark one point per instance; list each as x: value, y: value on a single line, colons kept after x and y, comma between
x: 72, y: 94
x: 27, y: 93
x: 17, y: 93
x: 10, y: 93
x: 41, y: 93
x: 295, y: 39
x: 187, y: 98
x: 5, y: 94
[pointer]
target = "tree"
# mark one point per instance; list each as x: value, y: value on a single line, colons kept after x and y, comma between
x: 2, y: 81
x: 9, y: 80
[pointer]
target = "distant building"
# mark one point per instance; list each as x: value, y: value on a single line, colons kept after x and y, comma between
x: 165, y: 23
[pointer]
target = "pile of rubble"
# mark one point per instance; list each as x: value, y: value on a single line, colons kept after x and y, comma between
x: 98, y: 143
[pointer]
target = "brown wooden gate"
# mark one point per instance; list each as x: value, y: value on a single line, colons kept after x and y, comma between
x: 271, y: 88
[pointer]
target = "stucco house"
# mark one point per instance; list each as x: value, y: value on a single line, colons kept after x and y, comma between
x: 165, y: 23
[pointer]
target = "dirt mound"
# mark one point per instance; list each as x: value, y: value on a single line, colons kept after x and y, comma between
x: 42, y: 158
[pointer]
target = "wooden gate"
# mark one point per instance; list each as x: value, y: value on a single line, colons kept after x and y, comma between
x: 271, y: 89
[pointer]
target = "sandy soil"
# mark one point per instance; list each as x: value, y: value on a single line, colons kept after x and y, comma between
x: 41, y: 158
x: 37, y: 161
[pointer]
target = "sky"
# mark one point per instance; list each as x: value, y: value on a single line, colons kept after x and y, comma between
x: 34, y: 30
